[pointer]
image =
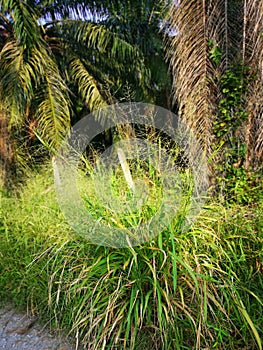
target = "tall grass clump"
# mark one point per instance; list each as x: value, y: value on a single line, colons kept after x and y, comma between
x: 200, y: 289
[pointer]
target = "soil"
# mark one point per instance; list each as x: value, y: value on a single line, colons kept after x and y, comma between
x: 18, y: 331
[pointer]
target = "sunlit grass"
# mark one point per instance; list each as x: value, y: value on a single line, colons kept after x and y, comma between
x: 110, y: 200
x: 182, y: 290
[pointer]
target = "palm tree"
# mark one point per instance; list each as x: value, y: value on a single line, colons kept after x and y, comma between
x: 30, y: 77
x: 27, y: 69
x: 216, y: 56
x: 139, y: 22
x: 52, y: 55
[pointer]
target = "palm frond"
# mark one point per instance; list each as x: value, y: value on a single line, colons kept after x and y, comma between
x: 191, y: 67
x: 52, y: 10
x: 20, y: 74
x: 224, y: 28
x: 53, y: 113
x: 24, y: 19
x: 16, y: 85
x: 98, y: 37
x: 89, y: 88
x: 102, y: 47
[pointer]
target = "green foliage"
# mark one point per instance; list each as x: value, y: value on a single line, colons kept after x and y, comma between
x: 215, y: 52
x: 232, y: 112
x: 193, y: 290
x: 234, y: 181
x: 239, y: 185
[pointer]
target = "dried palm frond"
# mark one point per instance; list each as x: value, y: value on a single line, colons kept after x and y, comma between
x: 254, y: 60
x: 191, y: 67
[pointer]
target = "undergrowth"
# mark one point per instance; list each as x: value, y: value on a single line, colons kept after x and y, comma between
x: 200, y: 289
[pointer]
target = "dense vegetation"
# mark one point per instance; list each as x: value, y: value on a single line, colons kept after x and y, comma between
x: 60, y: 60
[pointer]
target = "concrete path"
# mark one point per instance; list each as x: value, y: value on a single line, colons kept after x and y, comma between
x: 20, y: 332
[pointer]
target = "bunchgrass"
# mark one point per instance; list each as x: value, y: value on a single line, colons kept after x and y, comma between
x: 200, y: 289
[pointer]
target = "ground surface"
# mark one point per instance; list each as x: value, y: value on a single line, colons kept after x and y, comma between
x: 20, y: 332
